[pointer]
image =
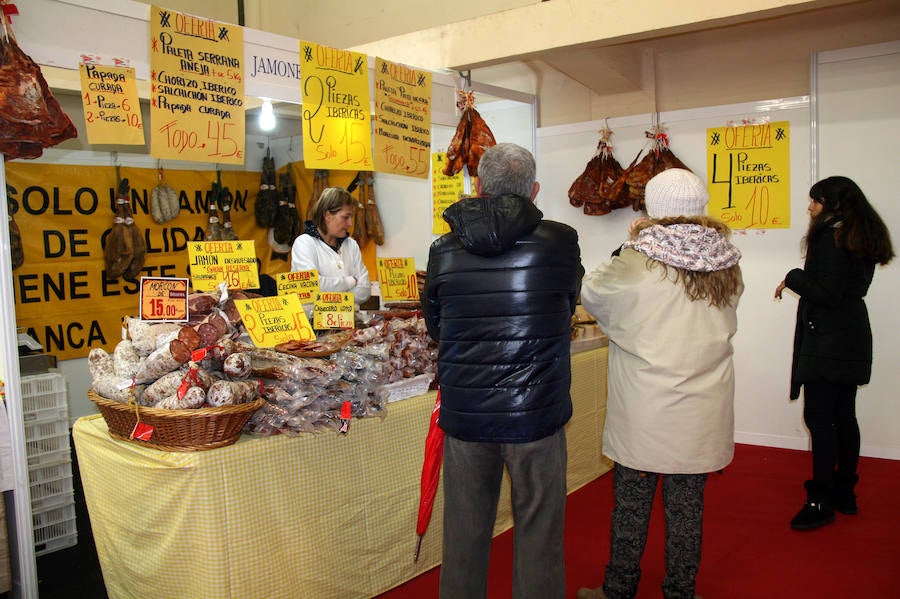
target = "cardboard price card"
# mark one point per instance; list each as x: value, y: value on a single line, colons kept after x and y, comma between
x: 211, y: 262
x: 402, y: 119
x: 445, y: 191
x: 302, y: 283
x: 749, y: 175
x: 337, y: 131
x: 112, y: 109
x: 164, y: 299
x: 196, y: 88
x: 271, y: 321
x: 333, y: 310
x: 398, y: 279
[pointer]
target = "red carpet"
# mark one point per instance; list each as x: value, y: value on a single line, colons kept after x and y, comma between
x: 749, y: 551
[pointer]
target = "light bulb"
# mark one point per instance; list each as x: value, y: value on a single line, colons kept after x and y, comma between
x: 267, y: 115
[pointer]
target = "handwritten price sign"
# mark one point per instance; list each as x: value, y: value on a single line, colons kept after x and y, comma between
x: 302, y: 283
x: 336, y: 122
x: 333, y: 310
x: 445, y: 191
x: 112, y: 110
x: 196, y: 88
x: 397, y: 277
x: 403, y: 119
x: 212, y: 262
x: 749, y: 175
x: 164, y: 299
x: 273, y: 320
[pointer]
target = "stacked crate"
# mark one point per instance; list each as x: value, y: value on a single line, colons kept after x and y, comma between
x: 46, y: 418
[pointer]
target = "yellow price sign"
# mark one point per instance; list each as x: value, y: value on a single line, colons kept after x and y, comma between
x: 397, y: 277
x: 333, y: 310
x: 271, y: 321
x: 164, y: 299
x: 337, y: 130
x: 112, y: 109
x: 445, y: 191
x: 302, y: 283
x: 211, y: 262
x: 750, y: 175
x: 403, y: 119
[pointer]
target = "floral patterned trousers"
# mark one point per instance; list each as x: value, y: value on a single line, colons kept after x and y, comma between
x: 682, y: 496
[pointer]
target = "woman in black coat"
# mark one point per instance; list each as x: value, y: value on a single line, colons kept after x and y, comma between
x: 833, y: 338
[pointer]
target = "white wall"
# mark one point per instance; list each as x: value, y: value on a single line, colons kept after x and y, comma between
x: 858, y: 124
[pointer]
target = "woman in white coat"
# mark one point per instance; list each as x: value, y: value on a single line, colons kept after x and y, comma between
x: 326, y: 246
x: 668, y: 303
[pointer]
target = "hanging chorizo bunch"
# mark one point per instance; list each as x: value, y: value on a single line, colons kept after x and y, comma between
x: 320, y: 183
x: 592, y: 188
x: 659, y: 158
x: 372, y: 217
x: 471, y: 139
x: 164, y: 204
x: 266, y: 207
x: 287, y: 223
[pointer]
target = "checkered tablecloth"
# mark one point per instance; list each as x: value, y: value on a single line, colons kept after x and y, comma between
x: 317, y: 515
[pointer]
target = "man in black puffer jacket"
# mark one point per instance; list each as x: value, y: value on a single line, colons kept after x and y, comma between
x: 499, y: 295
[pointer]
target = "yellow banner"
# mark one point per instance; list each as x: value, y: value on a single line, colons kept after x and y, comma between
x: 231, y: 262
x: 397, y: 277
x: 336, y: 121
x: 749, y: 175
x: 445, y: 191
x: 333, y: 310
x: 112, y: 109
x: 65, y: 212
x: 302, y: 283
x: 273, y: 320
x: 196, y: 88
x: 402, y: 119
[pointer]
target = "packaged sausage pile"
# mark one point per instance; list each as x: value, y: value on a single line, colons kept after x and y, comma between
x: 210, y: 361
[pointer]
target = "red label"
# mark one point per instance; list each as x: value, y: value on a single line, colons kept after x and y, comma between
x: 142, y: 431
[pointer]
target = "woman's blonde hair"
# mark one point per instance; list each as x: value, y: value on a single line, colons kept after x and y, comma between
x: 717, y: 287
x: 332, y: 199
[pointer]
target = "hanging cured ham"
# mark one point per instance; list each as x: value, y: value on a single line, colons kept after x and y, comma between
x: 30, y: 117
x: 658, y: 158
x: 471, y: 139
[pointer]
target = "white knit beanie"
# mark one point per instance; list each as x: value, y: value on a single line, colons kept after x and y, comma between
x: 675, y: 192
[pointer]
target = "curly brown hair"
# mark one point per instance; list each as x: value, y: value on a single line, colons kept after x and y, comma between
x: 718, y: 287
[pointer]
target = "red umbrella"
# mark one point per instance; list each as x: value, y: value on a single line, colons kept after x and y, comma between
x: 431, y: 473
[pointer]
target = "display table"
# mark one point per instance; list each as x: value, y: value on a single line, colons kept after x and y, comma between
x: 318, y: 515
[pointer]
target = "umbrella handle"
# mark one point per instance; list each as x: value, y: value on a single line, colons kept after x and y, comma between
x: 418, y: 546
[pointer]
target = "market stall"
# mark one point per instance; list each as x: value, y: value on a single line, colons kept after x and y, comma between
x: 339, y: 510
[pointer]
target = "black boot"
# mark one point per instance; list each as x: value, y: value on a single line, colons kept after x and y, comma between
x: 844, y: 499
x: 815, y: 512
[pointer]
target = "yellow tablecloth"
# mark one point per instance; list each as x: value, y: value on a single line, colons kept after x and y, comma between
x: 318, y: 515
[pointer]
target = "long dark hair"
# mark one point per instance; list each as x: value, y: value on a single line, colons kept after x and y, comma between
x: 860, y: 231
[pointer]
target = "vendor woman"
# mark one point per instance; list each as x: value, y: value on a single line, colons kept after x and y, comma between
x: 326, y: 246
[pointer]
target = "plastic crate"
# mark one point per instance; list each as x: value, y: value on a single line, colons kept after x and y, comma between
x: 44, y: 397
x: 45, y: 437
x: 48, y: 482
x: 54, y: 529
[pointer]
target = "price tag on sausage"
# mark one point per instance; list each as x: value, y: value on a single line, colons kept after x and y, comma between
x: 112, y: 109
x: 164, y: 299
x: 211, y: 262
x: 337, y: 130
x: 397, y: 277
x: 196, y: 88
x: 273, y: 320
x: 402, y: 119
x: 302, y: 283
x: 333, y: 310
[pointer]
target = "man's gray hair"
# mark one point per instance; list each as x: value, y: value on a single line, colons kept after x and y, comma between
x: 507, y: 169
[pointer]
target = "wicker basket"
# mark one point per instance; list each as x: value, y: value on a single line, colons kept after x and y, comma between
x: 177, y: 430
